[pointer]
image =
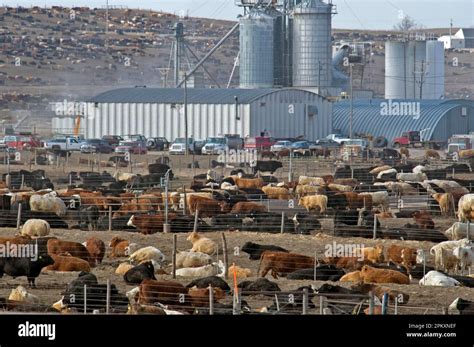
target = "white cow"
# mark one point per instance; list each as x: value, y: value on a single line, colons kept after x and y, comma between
x: 435, y: 278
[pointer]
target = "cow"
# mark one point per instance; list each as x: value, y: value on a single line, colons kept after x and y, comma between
x: 35, y: 228
x: 248, y: 207
x: 255, y: 250
x: 202, y: 244
x: 89, y: 217
x: 436, y: 278
x: 25, y: 266
x: 280, y: 263
x: 462, y: 306
x: 278, y: 193
x: 66, y: 263
x: 254, y: 183
x: 445, y: 202
x: 257, y: 286
x: 205, y: 282
x: 20, y: 294
x: 192, y: 259
x: 431, y: 154
x: 239, y: 272
x: 213, y: 269
x: 164, y: 292
x: 75, y: 249
x: 457, y: 231
x: 140, y: 272
x: 48, y: 203
x: 314, y: 202
x: 400, y: 255
x: 149, y: 224
x: 147, y: 254
x: 323, y: 272
x: 465, y: 207
x: 267, y: 166
x: 96, y: 249
x: 423, y: 220
x: 305, y: 223
x: 353, y: 276
x: 370, y: 274
x: 118, y: 246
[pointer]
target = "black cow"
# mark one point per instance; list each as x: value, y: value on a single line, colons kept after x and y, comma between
x: 324, y: 272
x: 464, y: 307
x: 418, y: 271
x: 304, y: 223
x: 89, y: 216
x: 226, y: 221
x: 160, y: 169
x: 205, y: 282
x: 350, y: 217
x: 394, y: 234
x: 215, y: 164
x: 255, y: 250
x: 267, y: 166
x: 140, y: 272
x: 366, y: 219
x: 96, y: 295
x: 257, y: 286
x: 293, y: 304
x: 118, y: 223
x: 458, y: 168
x: 26, y: 266
x: 336, y: 201
x: 268, y: 222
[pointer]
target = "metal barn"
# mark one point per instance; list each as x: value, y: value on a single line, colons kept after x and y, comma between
x: 211, y: 112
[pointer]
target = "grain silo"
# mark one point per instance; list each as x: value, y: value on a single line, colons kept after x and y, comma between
x: 261, y: 55
x: 312, y: 47
x: 434, y: 85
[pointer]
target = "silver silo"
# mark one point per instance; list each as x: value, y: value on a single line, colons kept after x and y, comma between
x: 395, y: 70
x: 434, y: 77
x: 312, y: 46
x: 260, y: 48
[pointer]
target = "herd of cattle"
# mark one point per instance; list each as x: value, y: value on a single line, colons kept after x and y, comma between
x: 355, y: 199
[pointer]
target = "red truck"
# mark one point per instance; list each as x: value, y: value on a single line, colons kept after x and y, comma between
x: 259, y: 142
x: 413, y: 139
x: 23, y: 141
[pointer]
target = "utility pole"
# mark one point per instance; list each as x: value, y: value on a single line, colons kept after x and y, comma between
x: 351, y: 114
x: 106, y: 16
x: 421, y: 80
x: 186, y: 114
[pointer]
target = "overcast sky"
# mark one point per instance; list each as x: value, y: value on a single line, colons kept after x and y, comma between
x: 354, y: 14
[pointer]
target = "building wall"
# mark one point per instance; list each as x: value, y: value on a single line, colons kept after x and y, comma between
x: 454, y: 123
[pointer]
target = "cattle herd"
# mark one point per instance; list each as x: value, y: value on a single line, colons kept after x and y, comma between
x: 361, y: 240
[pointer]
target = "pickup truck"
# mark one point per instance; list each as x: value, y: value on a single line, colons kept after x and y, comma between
x: 67, y: 144
x: 337, y: 138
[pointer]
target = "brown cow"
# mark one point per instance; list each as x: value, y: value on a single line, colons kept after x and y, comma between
x: 76, y: 249
x: 400, y: 255
x: 370, y: 274
x: 164, y: 292
x: 118, y: 246
x: 423, y: 220
x: 348, y: 263
x: 248, y: 207
x: 200, y: 296
x: 206, y: 207
x: 404, y: 151
x: 96, y: 248
x: 249, y: 183
x: 446, y: 203
x: 355, y: 201
x: 281, y: 263
x: 431, y: 154
x: 142, y: 204
x: 66, y: 262
x: 149, y: 223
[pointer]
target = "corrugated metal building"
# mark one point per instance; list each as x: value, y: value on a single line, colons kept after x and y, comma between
x: 211, y: 112
x: 438, y: 119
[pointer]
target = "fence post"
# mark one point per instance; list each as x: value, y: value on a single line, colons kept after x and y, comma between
x: 85, y: 298
x: 236, y: 304
x: 224, y: 250
x: 468, y: 232
x: 173, y: 256
x: 305, y: 301
x: 107, y: 302
x: 454, y: 172
x: 196, y: 217
x: 8, y: 180
x: 321, y: 305
x: 18, y: 217
x: 371, y: 303
x: 424, y: 267
x: 375, y: 227
x: 396, y: 307
x: 211, y: 300
x: 110, y: 218
x: 385, y: 303
x: 277, y: 302
x: 315, y: 266
x: 184, y: 201
x: 22, y: 181
x: 282, y: 226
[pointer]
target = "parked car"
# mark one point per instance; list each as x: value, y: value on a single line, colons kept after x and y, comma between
x: 112, y: 140
x: 140, y: 139
x: 214, y: 145
x: 22, y: 141
x: 281, y: 145
x: 179, y: 146
x: 132, y: 147
x: 198, y: 145
x: 259, y: 142
x: 96, y: 146
x: 157, y: 143
x: 327, y: 143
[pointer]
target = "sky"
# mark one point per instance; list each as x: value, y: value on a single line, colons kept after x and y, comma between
x: 352, y: 14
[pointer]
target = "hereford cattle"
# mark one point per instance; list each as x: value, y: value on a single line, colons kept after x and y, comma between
x: 423, y: 220
x: 348, y: 263
x: 149, y: 223
x: 201, y: 244
x: 164, y: 292
x: 255, y: 250
x: 65, y: 262
x: 248, y: 207
x: 280, y: 263
x: 370, y: 274
x: 313, y: 202
x: 96, y: 249
x: 75, y: 249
